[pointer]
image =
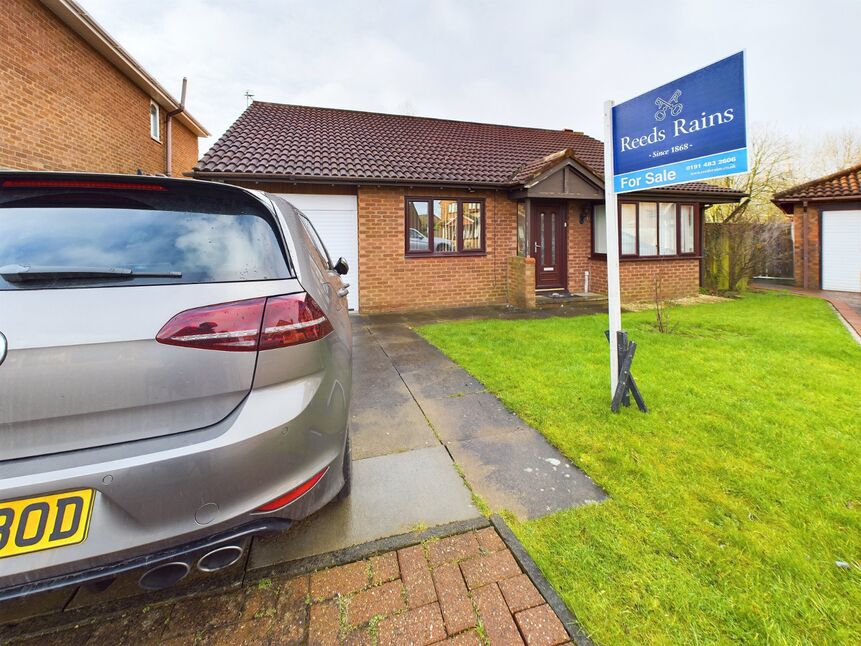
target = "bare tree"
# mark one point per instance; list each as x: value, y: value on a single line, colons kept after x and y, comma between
x: 770, y: 157
x: 662, y: 317
x: 827, y: 154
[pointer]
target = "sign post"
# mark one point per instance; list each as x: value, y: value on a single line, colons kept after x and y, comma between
x: 691, y: 129
x: 614, y: 291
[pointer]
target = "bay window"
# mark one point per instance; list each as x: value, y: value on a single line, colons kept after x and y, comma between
x: 444, y: 226
x: 649, y: 230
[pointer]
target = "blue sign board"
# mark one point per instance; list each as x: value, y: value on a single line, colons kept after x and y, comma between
x: 691, y: 129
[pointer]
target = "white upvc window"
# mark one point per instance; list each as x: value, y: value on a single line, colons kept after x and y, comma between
x: 154, y: 121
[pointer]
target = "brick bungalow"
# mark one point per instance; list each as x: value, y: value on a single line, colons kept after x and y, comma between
x: 435, y: 213
x: 73, y: 99
x: 826, y: 224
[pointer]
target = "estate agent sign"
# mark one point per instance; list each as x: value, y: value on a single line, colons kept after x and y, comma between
x: 692, y: 129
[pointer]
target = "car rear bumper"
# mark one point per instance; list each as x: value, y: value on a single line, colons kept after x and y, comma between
x: 186, y: 553
x: 154, y: 496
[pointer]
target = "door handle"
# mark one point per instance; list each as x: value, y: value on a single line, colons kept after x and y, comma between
x: 535, y: 247
x: 344, y: 290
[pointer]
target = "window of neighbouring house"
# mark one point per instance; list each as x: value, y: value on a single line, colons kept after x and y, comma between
x: 444, y: 226
x: 649, y: 229
x: 521, y: 229
x: 154, y: 122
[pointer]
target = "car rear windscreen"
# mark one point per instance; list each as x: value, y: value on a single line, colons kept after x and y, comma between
x: 171, y: 236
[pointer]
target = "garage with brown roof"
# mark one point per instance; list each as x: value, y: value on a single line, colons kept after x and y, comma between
x: 826, y: 217
x: 439, y: 213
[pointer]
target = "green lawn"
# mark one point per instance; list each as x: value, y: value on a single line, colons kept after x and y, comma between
x: 730, y: 501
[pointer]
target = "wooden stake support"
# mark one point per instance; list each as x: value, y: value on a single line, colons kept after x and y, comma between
x: 626, y: 386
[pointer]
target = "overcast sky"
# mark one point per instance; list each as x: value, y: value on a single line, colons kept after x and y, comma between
x: 547, y: 64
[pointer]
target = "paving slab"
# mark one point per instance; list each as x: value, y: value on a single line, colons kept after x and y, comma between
x: 384, y: 417
x: 418, y: 354
x: 522, y: 473
x: 450, y: 381
x: 471, y: 416
x: 392, y: 494
x: 393, y: 429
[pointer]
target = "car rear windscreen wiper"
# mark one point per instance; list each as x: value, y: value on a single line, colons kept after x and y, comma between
x: 21, y: 273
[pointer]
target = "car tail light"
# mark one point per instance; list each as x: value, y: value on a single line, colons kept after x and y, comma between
x: 293, y: 494
x: 236, y: 327
x: 291, y: 320
x: 233, y: 327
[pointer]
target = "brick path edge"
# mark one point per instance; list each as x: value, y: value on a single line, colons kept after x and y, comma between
x: 364, y: 551
x: 577, y: 634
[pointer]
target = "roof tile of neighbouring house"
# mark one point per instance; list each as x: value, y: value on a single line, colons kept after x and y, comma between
x: 308, y: 143
x: 843, y: 184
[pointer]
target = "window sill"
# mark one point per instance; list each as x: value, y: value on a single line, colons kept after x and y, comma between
x: 464, y: 254
x: 603, y: 257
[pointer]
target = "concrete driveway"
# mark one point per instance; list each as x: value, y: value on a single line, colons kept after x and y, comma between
x: 414, y: 415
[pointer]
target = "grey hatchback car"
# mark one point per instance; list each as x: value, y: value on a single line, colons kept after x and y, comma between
x: 175, y: 375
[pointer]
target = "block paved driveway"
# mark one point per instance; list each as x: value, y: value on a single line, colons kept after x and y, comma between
x: 465, y: 590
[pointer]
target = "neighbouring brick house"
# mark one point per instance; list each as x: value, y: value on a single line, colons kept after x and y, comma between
x: 826, y: 223
x: 436, y: 213
x: 73, y: 99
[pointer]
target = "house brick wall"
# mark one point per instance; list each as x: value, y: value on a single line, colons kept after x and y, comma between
x: 679, y: 278
x: 392, y: 281
x: 811, y: 233
x: 65, y: 107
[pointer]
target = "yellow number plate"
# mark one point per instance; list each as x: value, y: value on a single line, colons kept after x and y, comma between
x: 35, y: 524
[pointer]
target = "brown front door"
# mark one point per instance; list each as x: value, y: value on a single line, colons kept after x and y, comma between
x: 548, y: 244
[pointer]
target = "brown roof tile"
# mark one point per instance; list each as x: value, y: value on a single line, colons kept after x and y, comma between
x: 840, y: 185
x: 307, y: 143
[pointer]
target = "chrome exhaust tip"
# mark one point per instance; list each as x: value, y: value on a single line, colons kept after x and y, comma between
x: 220, y: 558
x: 164, y: 576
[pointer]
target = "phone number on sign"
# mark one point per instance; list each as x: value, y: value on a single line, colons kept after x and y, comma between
x: 710, y: 164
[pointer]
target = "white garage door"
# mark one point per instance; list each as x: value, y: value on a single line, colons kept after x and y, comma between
x: 841, y: 250
x: 335, y: 218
